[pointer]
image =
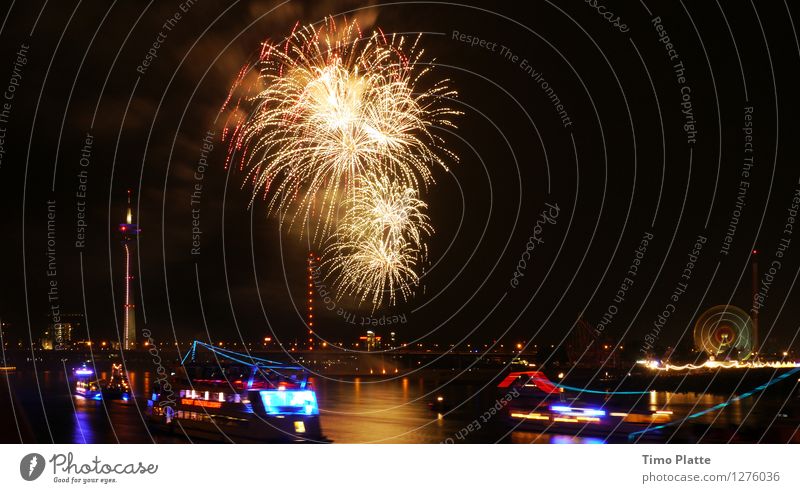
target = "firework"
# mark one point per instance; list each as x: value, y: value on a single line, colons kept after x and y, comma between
x: 338, y: 134
x: 379, y: 241
x: 332, y: 105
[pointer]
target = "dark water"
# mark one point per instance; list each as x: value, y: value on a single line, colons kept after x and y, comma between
x: 366, y: 410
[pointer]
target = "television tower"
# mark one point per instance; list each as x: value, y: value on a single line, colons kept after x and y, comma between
x: 754, y: 313
x: 312, y: 261
x: 129, y: 231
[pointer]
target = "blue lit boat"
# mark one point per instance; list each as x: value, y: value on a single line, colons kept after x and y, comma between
x: 544, y: 406
x: 86, y: 384
x: 237, y: 398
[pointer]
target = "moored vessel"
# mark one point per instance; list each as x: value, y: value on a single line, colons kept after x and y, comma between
x: 545, y: 406
x: 86, y: 384
x: 236, y: 398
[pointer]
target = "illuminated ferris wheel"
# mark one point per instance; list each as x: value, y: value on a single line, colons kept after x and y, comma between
x: 724, y: 329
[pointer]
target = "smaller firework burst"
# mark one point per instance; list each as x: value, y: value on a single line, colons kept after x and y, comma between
x: 379, y: 242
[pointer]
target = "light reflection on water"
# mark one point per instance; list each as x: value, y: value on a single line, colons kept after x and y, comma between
x: 394, y: 411
x: 683, y: 404
x: 83, y: 431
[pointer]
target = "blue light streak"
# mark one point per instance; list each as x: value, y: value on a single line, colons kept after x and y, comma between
x: 590, y: 391
x: 577, y: 411
x: 239, y: 358
x: 570, y: 440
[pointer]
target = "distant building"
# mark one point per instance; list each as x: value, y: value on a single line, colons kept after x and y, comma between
x: 371, y: 341
x: 61, y: 335
x: 46, y: 342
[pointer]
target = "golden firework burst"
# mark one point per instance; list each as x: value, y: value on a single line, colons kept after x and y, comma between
x: 339, y: 135
x: 332, y: 105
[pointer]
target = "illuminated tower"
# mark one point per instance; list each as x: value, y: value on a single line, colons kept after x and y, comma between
x: 129, y: 232
x: 754, y: 313
x: 311, y: 271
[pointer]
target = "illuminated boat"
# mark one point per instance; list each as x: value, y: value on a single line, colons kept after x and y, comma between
x: 531, y: 384
x: 439, y: 405
x: 590, y: 421
x: 86, y: 384
x: 541, y: 405
x: 237, y: 398
x: 117, y: 386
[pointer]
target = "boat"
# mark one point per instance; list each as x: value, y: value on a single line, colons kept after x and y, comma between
x: 587, y: 419
x: 117, y: 386
x: 531, y: 385
x: 439, y: 405
x: 542, y: 405
x: 86, y: 384
x: 236, y: 397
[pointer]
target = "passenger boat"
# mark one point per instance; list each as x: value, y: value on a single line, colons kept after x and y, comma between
x: 238, y: 398
x: 541, y: 405
x: 86, y: 384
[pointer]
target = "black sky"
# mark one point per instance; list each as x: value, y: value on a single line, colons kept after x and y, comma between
x: 613, y: 174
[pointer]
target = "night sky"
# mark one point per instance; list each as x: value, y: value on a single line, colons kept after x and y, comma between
x: 623, y: 165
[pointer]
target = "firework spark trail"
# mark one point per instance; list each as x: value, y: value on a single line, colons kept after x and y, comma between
x: 338, y: 122
x: 378, y: 242
x: 331, y: 106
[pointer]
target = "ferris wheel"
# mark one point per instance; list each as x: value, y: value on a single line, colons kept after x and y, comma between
x: 724, y: 329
